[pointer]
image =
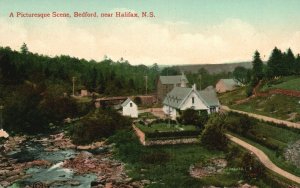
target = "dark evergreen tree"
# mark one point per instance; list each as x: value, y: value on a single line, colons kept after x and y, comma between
x: 257, y: 69
x: 24, y: 49
x: 274, y: 66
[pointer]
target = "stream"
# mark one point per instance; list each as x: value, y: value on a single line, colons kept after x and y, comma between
x: 55, y: 175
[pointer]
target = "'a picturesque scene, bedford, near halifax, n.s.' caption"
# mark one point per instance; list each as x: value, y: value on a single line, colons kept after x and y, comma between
x: 154, y: 94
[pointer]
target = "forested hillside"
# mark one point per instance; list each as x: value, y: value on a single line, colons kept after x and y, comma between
x: 35, y: 89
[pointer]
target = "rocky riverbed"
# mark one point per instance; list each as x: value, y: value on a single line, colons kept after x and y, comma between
x: 53, y: 161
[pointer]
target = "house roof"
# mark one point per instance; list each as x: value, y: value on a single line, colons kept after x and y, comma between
x: 126, y: 102
x: 230, y: 82
x: 173, y: 79
x: 179, y: 94
x: 175, y: 97
x: 210, y: 97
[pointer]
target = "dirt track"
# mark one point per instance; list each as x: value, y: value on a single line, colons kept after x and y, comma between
x: 264, y: 159
x: 264, y: 118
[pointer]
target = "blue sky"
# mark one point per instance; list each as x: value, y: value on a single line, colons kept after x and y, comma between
x: 183, y: 31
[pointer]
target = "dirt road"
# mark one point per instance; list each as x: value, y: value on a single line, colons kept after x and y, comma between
x: 264, y: 159
x: 264, y: 118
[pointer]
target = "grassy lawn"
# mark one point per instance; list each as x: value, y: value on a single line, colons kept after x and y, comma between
x: 229, y: 98
x: 147, y: 115
x: 168, y: 165
x: 277, y: 106
x: 290, y: 83
x: 164, y: 127
x: 83, y: 99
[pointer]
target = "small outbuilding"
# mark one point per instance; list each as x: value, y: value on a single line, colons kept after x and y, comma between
x: 129, y: 108
x: 225, y: 85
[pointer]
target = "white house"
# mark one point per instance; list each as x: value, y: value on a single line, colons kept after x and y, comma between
x: 182, y: 98
x: 129, y: 108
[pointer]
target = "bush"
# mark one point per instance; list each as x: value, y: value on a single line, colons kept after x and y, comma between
x: 96, y: 125
x: 239, y: 123
x: 157, y: 134
x: 194, y: 117
x: 251, y: 167
x: 213, y: 135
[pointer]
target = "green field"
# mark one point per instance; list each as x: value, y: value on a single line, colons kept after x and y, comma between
x: 277, y: 106
x: 290, y: 83
x: 168, y: 166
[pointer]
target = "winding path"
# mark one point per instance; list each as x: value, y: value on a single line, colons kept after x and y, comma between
x: 264, y: 159
x: 264, y: 118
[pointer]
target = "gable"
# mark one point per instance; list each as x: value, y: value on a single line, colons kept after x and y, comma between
x: 193, y: 100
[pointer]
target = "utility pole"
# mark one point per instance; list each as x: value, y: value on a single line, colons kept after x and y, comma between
x: 73, y: 80
x: 200, y: 77
x: 146, y: 80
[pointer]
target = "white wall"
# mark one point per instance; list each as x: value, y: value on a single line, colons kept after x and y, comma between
x: 198, y: 104
x: 130, y: 111
x: 169, y: 110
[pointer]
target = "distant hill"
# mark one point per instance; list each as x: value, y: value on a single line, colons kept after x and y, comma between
x: 213, y: 68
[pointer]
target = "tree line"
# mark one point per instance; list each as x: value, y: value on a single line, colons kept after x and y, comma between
x: 35, y: 89
x: 279, y: 64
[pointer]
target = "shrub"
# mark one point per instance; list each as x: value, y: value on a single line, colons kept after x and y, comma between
x: 213, y: 136
x: 96, y: 125
x: 238, y: 123
x: 194, y: 117
x: 251, y: 167
x: 157, y: 134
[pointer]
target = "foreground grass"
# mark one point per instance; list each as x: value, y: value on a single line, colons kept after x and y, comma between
x: 168, y: 165
x: 276, y: 106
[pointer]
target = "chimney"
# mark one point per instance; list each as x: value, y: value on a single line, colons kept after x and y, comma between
x: 182, y: 80
x: 194, y: 87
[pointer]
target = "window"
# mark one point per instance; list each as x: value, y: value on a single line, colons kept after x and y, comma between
x: 193, y: 100
x: 130, y: 104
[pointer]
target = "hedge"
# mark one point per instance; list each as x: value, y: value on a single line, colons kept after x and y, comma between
x: 172, y: 134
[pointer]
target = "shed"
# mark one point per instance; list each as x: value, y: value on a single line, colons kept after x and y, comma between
x: 129, y: 108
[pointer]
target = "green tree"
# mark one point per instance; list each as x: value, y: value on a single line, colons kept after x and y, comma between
x: 288, y: 63
x: 257, y: 70
x: 98, y: 124
x: 213, y: 135
x: 241, y: 74
x: 170, y: 71
x: 24, y: 49
x: 274, y: 65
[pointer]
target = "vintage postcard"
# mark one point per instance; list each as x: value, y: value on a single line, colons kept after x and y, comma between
x: 149, y: 93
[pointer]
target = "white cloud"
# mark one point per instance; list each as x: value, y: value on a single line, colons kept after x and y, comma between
x: 144, y: 41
